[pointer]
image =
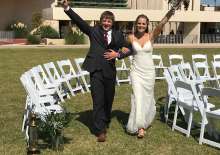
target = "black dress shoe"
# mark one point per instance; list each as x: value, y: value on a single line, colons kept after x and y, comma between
x: 101, y: 137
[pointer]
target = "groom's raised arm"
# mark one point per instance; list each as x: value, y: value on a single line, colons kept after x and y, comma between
x: 83, y: 25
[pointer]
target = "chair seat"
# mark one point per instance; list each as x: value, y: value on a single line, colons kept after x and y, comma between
x: 122, y: 69
x: 210, y: 106
x: 214, y: 113
x: 84, y: 73
x: 163, y: 67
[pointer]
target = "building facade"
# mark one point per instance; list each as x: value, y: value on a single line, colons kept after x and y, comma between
x: 199, y: 24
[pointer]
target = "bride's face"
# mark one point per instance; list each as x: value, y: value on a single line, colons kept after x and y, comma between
x: 141, y: 25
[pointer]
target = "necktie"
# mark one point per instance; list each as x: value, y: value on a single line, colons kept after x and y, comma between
x: 106, y: 37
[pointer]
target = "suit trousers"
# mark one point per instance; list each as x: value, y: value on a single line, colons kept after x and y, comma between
x: 102, y: 91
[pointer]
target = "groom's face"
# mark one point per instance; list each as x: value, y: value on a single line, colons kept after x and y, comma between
x: 106, y: 24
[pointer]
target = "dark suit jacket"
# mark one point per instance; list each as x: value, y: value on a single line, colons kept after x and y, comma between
x: 95, y: 59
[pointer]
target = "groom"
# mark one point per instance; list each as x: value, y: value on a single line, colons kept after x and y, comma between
x: 105, y: 43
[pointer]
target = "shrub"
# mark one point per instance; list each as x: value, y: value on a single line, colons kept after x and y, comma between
x: 20, y: 30
x: 47, y: 32
x: 36, y: 20
x: 33, y: 39
x: 76, y: 37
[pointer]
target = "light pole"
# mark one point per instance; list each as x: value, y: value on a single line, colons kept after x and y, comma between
x: 215, y: 4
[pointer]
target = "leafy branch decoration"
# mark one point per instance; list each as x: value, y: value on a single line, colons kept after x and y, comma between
x: 176, y: 4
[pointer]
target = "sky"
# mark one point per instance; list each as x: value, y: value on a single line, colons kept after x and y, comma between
x: 211, y: 2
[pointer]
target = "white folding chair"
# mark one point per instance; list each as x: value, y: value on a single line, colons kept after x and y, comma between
x: 37, y: 94
x: 83, y: 73
x: 45, y: 83
x: 69, y: 73
x: 172, y: 92
x: 175, y: 59
x: 216, y: 57
x: 123, y: 72
x: 190, y: 102
x: 201, y: 67
x: 216, y: 71
x: 186, y: 71
x: 56, y: 78
x: 28, y: 103
x: 209, y: 115
x: 187, y: 102
x: 175, y: 73
x: 158, y: 63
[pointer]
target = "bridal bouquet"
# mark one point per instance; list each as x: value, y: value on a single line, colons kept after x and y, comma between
x: 175, y: 4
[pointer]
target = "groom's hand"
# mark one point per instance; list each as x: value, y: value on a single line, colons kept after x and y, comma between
x: 110, y: 54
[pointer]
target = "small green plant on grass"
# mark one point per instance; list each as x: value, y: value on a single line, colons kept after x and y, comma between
x: 52, y: 126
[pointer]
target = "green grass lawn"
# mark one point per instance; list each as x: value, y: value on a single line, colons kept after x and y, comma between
x: 78, y: 139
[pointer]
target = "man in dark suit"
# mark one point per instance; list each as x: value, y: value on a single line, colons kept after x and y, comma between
x: 105, y: 43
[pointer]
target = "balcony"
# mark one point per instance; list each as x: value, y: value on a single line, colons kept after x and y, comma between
x: 97, y: 3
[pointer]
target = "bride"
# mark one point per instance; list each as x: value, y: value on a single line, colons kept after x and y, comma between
x: 143, y: 107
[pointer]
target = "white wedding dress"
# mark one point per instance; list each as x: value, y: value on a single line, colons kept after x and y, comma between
x: 143, y: 107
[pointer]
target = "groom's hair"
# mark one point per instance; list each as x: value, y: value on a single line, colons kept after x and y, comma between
x: 108, y: 15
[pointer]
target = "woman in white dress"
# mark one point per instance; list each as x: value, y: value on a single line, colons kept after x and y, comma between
x: 143, y: 107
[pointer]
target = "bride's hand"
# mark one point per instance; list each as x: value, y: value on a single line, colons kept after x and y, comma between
x: 125, y: 50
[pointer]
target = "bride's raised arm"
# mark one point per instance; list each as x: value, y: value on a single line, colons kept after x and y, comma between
x: 156, y: 32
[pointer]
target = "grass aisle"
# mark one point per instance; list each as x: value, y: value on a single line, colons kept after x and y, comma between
x: 78, y: 140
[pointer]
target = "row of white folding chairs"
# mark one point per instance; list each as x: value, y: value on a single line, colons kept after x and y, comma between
x: 173, y: 73
x: 178, y: 59
x: 198, y: 102
x: 42, y: 89
x: 190, y: 96
x: 123, y: 68
x: 40, y: 101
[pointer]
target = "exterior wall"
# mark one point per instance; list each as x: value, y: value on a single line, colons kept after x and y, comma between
x: 191, y: 33
x: 126, y: 15
x: 186, y: 21
x: 21, y: 10
x: 26, y: 8
x: 6, y: 8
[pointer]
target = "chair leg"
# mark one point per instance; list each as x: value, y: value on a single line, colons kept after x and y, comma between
x: 70, y: 88
x: 175, y: 117
x: 59, y: 94
x: 189, y: 123
x: 202, y: 131
x: 79, y: 84
x: 85, y: 83
x: 166, y: 109
x: 117, y: 80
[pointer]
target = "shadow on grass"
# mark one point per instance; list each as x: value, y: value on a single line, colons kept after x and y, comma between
x: 121, y: 116
x: 85, y: 117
